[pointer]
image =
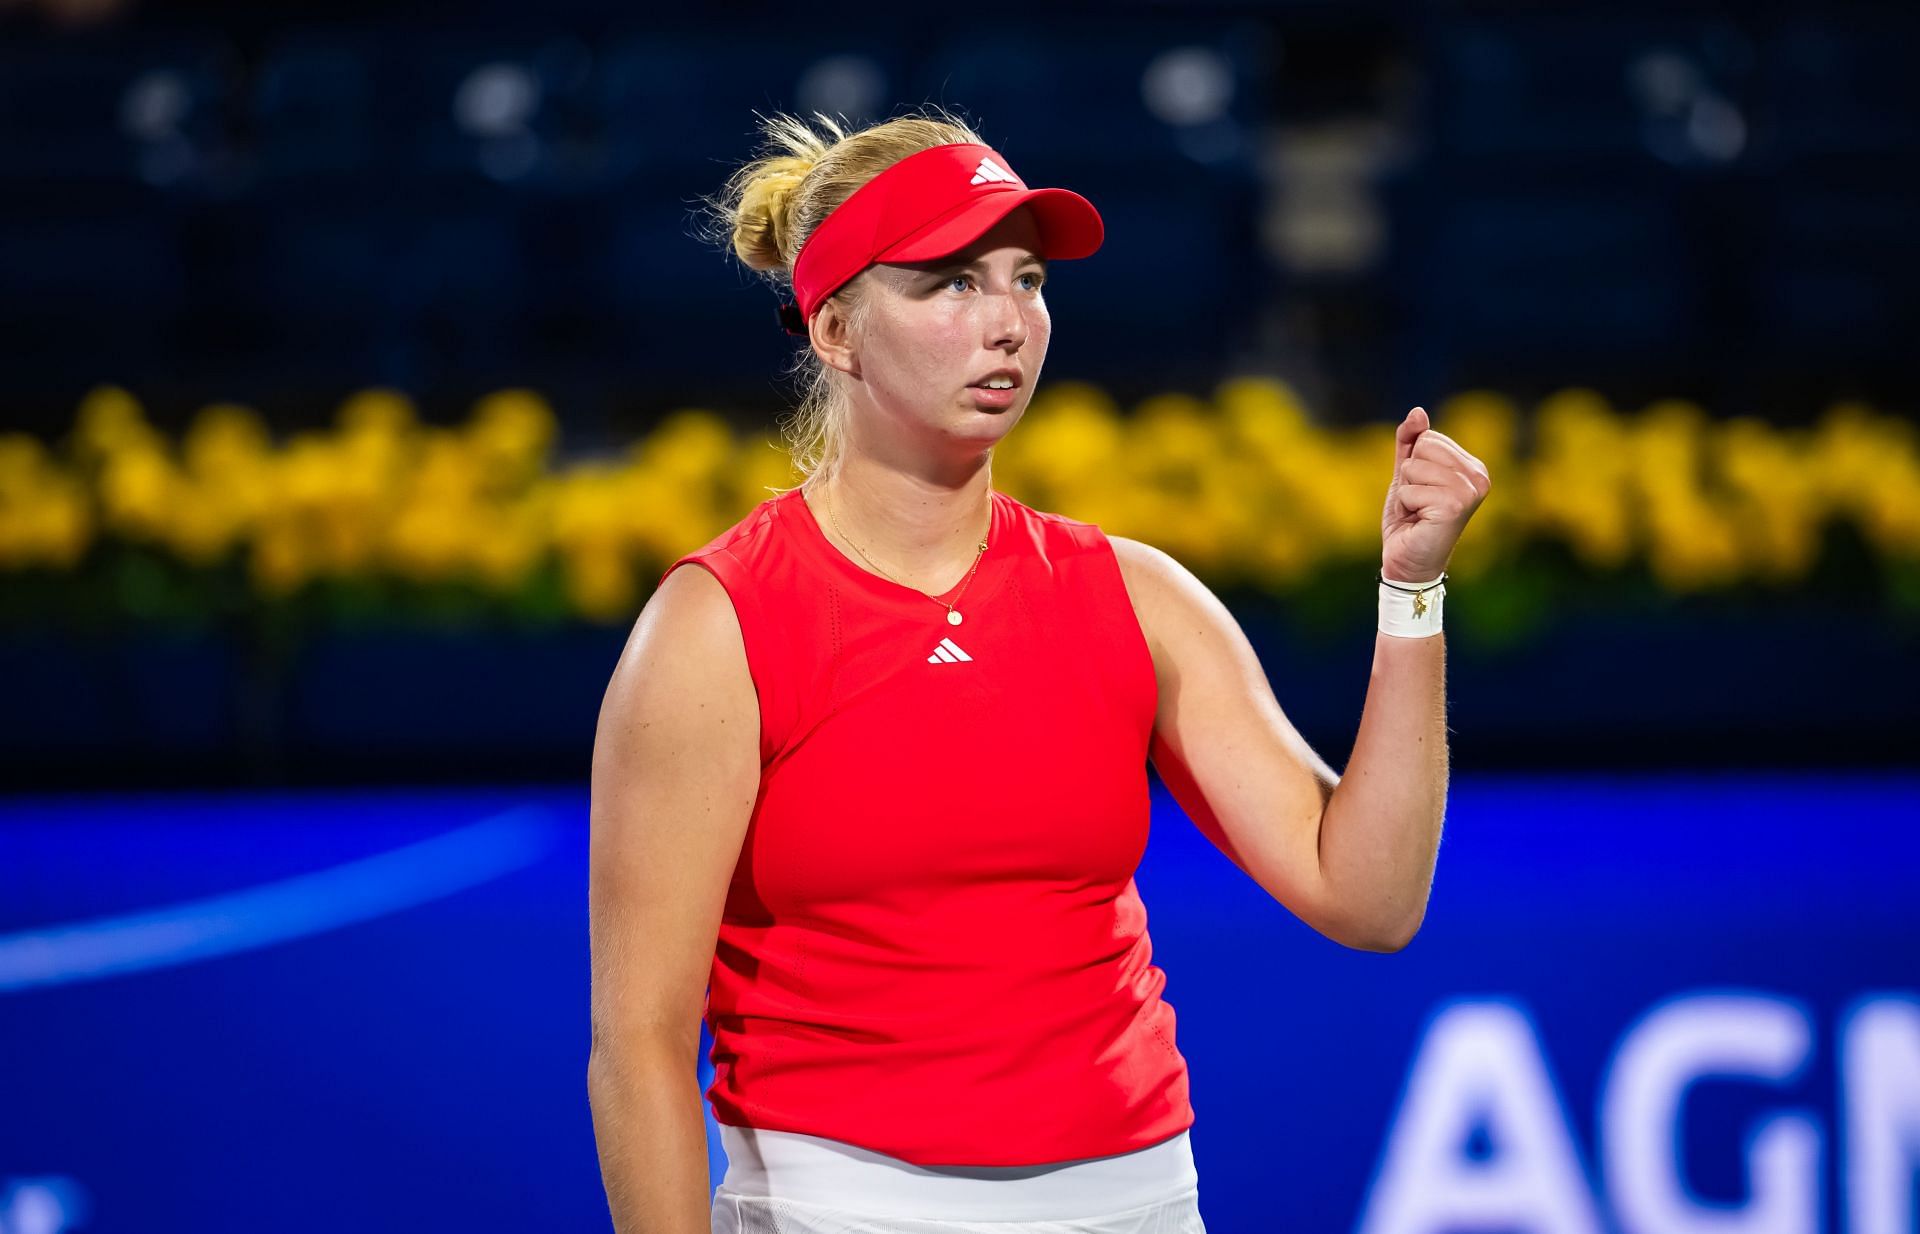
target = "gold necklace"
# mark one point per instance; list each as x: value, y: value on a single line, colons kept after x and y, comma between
x: 953, y: 614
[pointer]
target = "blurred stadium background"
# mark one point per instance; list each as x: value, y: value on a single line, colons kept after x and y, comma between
x: 360, y: 368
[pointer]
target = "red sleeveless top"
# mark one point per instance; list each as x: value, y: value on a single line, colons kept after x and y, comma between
x: 933, y: 946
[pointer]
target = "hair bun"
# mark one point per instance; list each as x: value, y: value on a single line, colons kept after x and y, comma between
x: 763, y: 232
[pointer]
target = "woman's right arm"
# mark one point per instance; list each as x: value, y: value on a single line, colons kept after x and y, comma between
x: 676, y: 771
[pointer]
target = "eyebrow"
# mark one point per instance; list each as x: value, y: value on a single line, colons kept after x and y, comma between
x: 977, y: 264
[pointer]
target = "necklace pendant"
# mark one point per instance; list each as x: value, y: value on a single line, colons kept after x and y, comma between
x: 953, y: 617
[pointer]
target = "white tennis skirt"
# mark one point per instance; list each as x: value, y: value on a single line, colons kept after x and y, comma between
x: 782, y: 1182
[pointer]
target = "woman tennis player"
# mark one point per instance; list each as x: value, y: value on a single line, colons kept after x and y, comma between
x: 873, y: 782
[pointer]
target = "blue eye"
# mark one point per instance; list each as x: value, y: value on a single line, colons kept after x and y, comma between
x: 1035, y: 275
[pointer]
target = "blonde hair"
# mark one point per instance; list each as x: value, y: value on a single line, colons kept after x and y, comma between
x: 771, y: 204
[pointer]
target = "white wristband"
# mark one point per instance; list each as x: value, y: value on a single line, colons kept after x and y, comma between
x: 1411, y: 610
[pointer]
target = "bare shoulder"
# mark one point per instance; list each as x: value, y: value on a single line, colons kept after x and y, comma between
x: 682, y: 685
x: 1159, y: 586
x: 1141, y: 560
x: 691, y: 591
x: 1136, y: 558
x: 689, y: 620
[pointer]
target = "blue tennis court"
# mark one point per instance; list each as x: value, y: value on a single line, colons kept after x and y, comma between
x: 1634, y: 998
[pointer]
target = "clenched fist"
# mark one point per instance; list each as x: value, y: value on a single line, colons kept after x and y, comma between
x: 1436, y: 488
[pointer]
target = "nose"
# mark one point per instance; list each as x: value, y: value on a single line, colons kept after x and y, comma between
x: 1006, y: 320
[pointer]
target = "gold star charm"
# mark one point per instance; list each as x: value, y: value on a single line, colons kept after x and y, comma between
x: 1419, y: 604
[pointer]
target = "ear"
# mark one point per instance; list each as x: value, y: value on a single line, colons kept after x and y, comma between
x: 832, y: 336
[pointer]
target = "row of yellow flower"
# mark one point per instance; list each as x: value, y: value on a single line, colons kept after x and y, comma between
x: 1245, y: 488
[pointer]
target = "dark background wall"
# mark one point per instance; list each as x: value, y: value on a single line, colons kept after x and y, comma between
x: 1379, y: 204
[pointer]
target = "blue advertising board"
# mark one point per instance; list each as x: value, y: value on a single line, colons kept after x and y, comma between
x: 1684, y: 1004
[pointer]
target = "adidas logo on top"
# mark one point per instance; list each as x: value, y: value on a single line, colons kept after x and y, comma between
x: 948, y: 652
x: 990, y: 170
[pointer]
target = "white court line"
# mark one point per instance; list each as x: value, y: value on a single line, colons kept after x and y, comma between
x: 279, y: 911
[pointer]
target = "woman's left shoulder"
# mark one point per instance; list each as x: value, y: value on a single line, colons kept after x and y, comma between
x: 1142, y: 565
x: 1150, y: 576
x: 1164, y: 592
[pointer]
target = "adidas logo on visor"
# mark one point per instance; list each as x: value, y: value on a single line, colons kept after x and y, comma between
x: 948, y: 652
x: 990, y: 170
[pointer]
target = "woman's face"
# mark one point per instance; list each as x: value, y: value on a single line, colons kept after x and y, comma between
x: 934, y: 329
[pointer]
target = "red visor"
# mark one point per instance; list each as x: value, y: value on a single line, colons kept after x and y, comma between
x: 928, y: 205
